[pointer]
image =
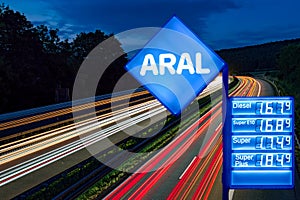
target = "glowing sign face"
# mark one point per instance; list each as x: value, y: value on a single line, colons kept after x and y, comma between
x: 261, y: 134
x: 262, y: 107
x: 175, y: 66
x: 267, y: 142
x: 258, y: 125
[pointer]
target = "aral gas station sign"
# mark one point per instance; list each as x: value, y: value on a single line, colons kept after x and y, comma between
x: 175, y: 66
x: 258, y: 133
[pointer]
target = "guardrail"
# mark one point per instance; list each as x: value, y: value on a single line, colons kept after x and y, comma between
x: 279, y: 93
x: 43, y: 109
x: 297, y: 140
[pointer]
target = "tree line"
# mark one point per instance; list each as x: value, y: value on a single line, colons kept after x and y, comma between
x: 34, y: 62
x: 279, y: 60
x: 257, y: 57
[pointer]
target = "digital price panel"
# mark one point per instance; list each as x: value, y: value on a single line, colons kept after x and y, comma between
x: 261, y: 140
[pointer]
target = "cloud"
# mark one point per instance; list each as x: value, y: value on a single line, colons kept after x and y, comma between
x: 219, y: 23
x: 116, y: 16
x: 36, y: 11
x: 255, y: 22
x: 120, y: 15
x: 259, y: 36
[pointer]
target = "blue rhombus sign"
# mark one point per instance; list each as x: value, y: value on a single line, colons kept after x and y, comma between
x: 175, y: 66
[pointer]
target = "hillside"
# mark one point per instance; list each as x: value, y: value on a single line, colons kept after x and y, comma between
x: 282, y: 56
x: 257, y: 57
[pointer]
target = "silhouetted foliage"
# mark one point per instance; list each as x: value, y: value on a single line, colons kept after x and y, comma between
x: 289, y: 74
x: 289, y: 62
x: 254, y: 58
x: 34, y: 61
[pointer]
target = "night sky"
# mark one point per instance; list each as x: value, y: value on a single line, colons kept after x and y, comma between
x: 219, y: 23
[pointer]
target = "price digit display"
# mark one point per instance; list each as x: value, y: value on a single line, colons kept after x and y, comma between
x: 263, y: 107
x: 273, y: 160
x: 261, y: 142
x: 275, y: 125
x: 261, y: 125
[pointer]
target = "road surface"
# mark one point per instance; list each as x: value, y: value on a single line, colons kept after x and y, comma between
x: 267, y: 90
x: 189, y: 167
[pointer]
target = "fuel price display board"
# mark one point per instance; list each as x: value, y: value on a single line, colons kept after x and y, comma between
x: 261, y: 141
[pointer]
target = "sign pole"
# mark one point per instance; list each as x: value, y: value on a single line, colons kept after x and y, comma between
x: 225, y: 76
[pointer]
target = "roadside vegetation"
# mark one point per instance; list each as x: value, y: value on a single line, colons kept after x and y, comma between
x: 287, y: 81
x: 36, y: 63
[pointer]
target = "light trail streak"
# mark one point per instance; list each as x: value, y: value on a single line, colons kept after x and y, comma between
x: 90, y: 127
x: 128, y: 188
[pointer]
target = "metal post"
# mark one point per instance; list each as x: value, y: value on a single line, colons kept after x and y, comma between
x: 225, y: 180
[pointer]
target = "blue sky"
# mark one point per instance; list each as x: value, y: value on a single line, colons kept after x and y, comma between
x: 219, y: 23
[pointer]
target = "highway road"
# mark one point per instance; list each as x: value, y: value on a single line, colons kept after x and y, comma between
x: 193, y: 169
x: 268, y: 90
x: 189, y: 167
x: 24, y: 156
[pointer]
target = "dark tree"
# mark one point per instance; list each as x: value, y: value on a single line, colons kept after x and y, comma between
x: 34, y: 62
x: 289, y: 61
